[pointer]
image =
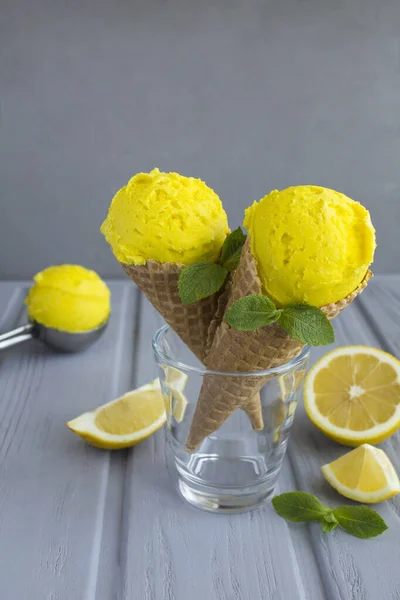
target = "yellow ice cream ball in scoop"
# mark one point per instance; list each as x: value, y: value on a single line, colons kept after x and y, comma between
x: 69, y: 298
x: 312, y: 245
x: 165, y: 217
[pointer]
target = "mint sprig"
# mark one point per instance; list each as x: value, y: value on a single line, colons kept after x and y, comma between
x: 201, y: 280
x: 303, y: 322
x: 360, y: 521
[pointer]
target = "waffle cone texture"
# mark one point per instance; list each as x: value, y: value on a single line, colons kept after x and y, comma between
x: 196, y: 324
x: 245, y: 351
x: 159, y: 283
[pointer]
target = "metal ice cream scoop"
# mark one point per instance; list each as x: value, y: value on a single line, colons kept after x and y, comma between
x: 62, y: 341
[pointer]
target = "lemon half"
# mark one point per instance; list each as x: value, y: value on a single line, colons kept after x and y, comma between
x: 352, y: 394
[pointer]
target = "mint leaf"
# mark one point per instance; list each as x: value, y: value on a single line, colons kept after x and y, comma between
x: 299, y: 506
x: 232, y: 249
x: 251, y: 312
x: 329, y: 522
x: 200, y: 280
x: 308, y: 324
x: 361, y: 521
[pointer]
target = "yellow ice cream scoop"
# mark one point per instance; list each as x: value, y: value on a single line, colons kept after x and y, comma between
x: 312, y: 245
x: 68, y: 298
x: 165, y: 217
x: 68, y: 307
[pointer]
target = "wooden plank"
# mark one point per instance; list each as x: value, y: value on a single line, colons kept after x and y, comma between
x: 353, y: 569
x: 173, y: 551
x: 58, y: 515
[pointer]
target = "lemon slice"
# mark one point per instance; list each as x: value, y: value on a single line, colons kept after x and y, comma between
x: 125, y: 421
x: 364, y: 474
x: 352, y: 394
x: 285, y: 407
x: 179, y: 405
x: 176, y: 401
x: 175, y: 379
x: 289, y: 383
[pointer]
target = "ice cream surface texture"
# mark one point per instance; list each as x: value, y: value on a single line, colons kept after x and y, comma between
x: 312, y: 245
x: 69, y: 298
x: 165, y: 217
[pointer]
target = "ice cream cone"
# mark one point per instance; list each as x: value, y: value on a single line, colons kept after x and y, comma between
x: 196, y: 324
x: 245, y: 351
x: 158, y: 224
x: 159, y: 283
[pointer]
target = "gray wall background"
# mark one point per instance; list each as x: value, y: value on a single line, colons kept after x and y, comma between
x: 249, y: 95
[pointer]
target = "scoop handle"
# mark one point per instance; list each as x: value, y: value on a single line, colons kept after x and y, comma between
x: 17, y: 336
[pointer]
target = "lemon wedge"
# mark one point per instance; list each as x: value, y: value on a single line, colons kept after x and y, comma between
x: 352, y: 394
x: 288, y: 385
x: 175, y: 379
x: 364, y: 474
x: 176, y: 401
x: 124, y: 422
x: 179, y: 405
x: 290, y: 382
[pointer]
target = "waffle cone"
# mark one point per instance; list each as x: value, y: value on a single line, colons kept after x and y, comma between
x: 196, y: 324
x: 245, y: 351
x: 159, y: 283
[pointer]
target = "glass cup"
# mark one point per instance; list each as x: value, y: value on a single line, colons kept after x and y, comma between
x: 235, y: 468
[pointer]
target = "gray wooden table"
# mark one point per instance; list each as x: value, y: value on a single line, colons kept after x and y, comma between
x: 78, y: 523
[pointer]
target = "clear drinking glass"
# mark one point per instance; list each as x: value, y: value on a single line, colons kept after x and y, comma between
x: 236, y: 467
